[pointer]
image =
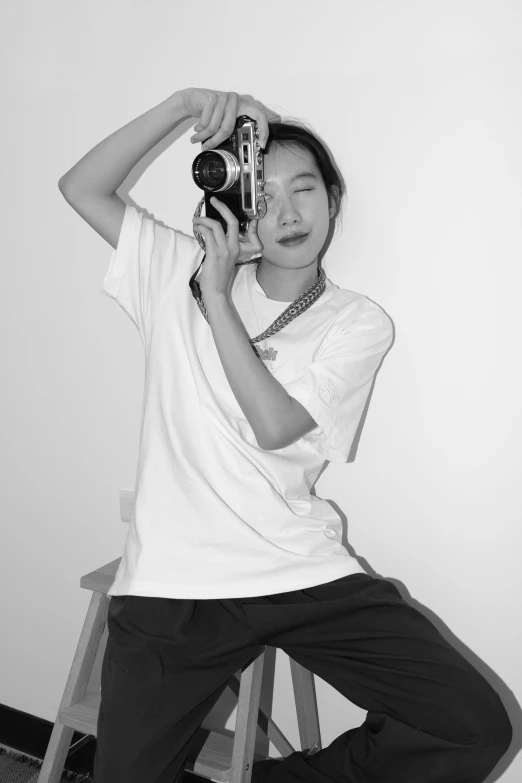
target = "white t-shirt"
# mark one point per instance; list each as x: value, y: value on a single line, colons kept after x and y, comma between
x: 215, y: 515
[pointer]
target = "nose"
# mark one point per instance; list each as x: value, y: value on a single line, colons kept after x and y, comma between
x: 288, y: 213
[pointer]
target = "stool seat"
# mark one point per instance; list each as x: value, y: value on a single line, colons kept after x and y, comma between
x: 214, y: 755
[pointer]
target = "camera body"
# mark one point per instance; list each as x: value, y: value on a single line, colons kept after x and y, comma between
x: 234, y: 173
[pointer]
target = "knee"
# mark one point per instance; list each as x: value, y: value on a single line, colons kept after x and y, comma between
x: 495, y: 741
x: 490, y: 727
x: 502, y: 733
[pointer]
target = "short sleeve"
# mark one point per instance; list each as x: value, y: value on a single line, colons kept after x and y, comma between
x: 147, y: 260
x: 335, y: 387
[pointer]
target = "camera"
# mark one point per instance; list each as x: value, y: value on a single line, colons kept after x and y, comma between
x: 234, y: 173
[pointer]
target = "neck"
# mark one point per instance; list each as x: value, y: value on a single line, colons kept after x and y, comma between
x: 285, y: 285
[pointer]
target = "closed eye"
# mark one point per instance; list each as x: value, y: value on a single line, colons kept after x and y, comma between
x: 302, y: 190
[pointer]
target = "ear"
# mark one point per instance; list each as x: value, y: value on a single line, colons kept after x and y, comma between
x: 333, y: 207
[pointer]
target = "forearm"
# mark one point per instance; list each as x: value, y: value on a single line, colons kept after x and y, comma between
x: 102, y: 170
x: 260, y: 396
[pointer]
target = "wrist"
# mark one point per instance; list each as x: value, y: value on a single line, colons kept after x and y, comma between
x: 176, y: 102
x: 212, y: 295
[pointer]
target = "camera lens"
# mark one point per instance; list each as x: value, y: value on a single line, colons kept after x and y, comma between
x: 215, y: 170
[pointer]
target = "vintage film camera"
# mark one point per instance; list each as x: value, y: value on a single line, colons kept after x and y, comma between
x: 234, y: 173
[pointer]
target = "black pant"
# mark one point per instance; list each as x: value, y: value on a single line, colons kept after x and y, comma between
x: 432, y: 718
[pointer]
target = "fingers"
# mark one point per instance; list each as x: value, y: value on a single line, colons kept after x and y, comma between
x: 252, y: 237
x: 260, y: 113
x: 272, y: 116
x: 211, y: 245
x: 251, y: 231
x: 225, y: 243
x: 232, y: 245
x: 232, y: 221
x: 227, y: 122
x: 250, y: 244
x: 219, y: 115
x: 250, y: 234
x: 206, y: 114
x: 210, y: 116
x: 221, y: 123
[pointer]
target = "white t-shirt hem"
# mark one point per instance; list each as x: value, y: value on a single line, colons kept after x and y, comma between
x: 237, y: 589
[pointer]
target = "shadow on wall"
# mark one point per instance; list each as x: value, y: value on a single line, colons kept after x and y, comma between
x: 509, y: 701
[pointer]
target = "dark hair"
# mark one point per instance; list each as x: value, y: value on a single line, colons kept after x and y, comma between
x: 292, y: 132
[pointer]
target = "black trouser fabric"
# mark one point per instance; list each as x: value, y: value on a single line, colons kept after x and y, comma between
x: 432, y: 717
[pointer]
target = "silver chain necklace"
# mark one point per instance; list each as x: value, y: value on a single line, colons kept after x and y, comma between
x: 298, y: 306
x: 302, y: 303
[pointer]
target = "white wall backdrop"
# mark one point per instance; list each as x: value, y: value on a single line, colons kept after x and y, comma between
x: 420, y: 104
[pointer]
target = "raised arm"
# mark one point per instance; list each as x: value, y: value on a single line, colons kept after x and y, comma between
x: 90, y: 186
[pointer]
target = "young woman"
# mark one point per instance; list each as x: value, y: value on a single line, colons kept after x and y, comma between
x: 249, y: 388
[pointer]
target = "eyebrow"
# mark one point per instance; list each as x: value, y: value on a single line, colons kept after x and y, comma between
x: 302, y: 175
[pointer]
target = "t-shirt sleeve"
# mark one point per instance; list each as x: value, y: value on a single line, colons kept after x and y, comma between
x: 335, y: 387
x: 148, y: 259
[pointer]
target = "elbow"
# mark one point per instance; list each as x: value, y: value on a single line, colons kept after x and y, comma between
x: 282, y: 440
x: 265, y: 442
x: 63, y: 183
x: 64, y: 187
x: 272, y: 444
x: 69, y: 189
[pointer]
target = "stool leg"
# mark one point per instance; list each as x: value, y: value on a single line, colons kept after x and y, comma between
x: 246, y: 721
x: 266, y: 724
x: 306, y: 707
x: 77, y: 682
x: 56, y: 753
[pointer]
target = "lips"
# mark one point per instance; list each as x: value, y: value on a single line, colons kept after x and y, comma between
x: 292, y: 239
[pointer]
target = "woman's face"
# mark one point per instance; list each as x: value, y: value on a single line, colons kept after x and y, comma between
x: 297, y: 203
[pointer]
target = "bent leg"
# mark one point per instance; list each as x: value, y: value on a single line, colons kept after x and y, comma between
x: 166, y: 663
x: 432, y: 717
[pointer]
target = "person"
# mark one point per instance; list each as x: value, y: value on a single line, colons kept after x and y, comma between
x: 252, y: 382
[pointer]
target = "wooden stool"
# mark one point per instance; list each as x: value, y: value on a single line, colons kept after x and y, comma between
x: 219, y: 756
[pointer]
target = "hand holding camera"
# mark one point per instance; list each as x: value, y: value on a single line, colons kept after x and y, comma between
x: 231, y: 161
x: 233, y: 130
x: 224, y: 250
x: 218, y: 111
